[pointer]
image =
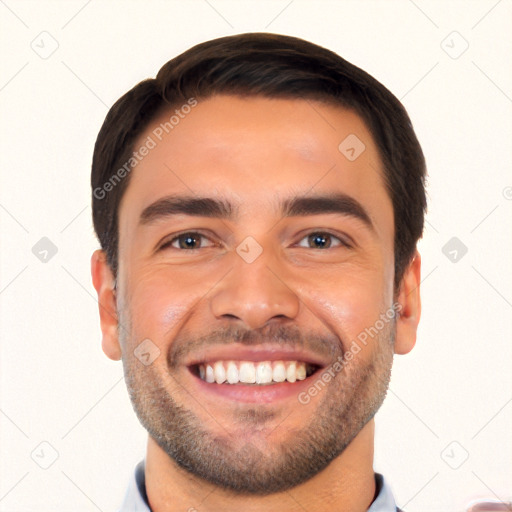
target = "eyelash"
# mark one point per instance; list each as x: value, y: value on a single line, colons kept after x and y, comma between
x: 168, y: 244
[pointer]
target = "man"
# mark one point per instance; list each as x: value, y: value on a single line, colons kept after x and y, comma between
x: 258, y: 206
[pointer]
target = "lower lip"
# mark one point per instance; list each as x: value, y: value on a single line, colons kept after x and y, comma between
x: 263, y: 394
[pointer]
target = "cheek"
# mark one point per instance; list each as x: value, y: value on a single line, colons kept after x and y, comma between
x: 159, y: 301
x: 350, y: 303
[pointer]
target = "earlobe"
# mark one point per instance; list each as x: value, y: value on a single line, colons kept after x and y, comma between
x: 104, y: 283
x: 410, y: 307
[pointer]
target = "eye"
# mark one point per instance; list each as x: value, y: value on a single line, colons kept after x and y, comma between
x: 322, y: 240
x: 188, y: 241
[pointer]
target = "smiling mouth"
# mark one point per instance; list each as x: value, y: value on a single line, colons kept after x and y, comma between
x: 261, y: 373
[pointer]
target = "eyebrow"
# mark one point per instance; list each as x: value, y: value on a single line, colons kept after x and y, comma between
x: 186, y: 205
x: 342, y: 204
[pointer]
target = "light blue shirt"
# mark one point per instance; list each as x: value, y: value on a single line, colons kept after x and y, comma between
x: 135, y: 499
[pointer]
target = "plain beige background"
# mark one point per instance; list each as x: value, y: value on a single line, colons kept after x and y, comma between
x: 443, y: 434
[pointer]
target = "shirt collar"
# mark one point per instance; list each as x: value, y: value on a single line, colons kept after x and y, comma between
x: 136, y: 500
x: 384, y: 502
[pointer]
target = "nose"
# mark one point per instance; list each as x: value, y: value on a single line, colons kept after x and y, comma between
x: 254, y: 293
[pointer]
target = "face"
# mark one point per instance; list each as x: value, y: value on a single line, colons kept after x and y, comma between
x: 252, y: 248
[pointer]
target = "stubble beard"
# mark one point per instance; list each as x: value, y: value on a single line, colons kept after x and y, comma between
x: 341, y: 409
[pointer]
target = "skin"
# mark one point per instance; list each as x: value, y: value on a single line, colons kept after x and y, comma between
x: 255, y: 153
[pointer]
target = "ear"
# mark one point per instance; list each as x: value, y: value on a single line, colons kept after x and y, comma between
x: 103, y: 281
x: 410, y: 302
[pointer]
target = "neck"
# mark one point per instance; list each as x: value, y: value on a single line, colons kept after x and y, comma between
x: 348, y: 483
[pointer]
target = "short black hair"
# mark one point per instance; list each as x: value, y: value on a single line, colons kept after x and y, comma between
x: 272, y: 66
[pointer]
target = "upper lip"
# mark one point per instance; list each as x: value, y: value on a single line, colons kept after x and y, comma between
x: 254, y: 353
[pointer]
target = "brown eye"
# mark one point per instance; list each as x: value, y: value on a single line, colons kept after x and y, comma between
x: 321, y: 240
x: 187, y: 241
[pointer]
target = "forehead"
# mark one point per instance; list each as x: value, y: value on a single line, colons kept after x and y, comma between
x: 254, y: 150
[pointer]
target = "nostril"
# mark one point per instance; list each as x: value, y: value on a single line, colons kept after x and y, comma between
x: 230, y: 316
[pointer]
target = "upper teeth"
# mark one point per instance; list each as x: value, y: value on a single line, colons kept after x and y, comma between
x: 248, y: 372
